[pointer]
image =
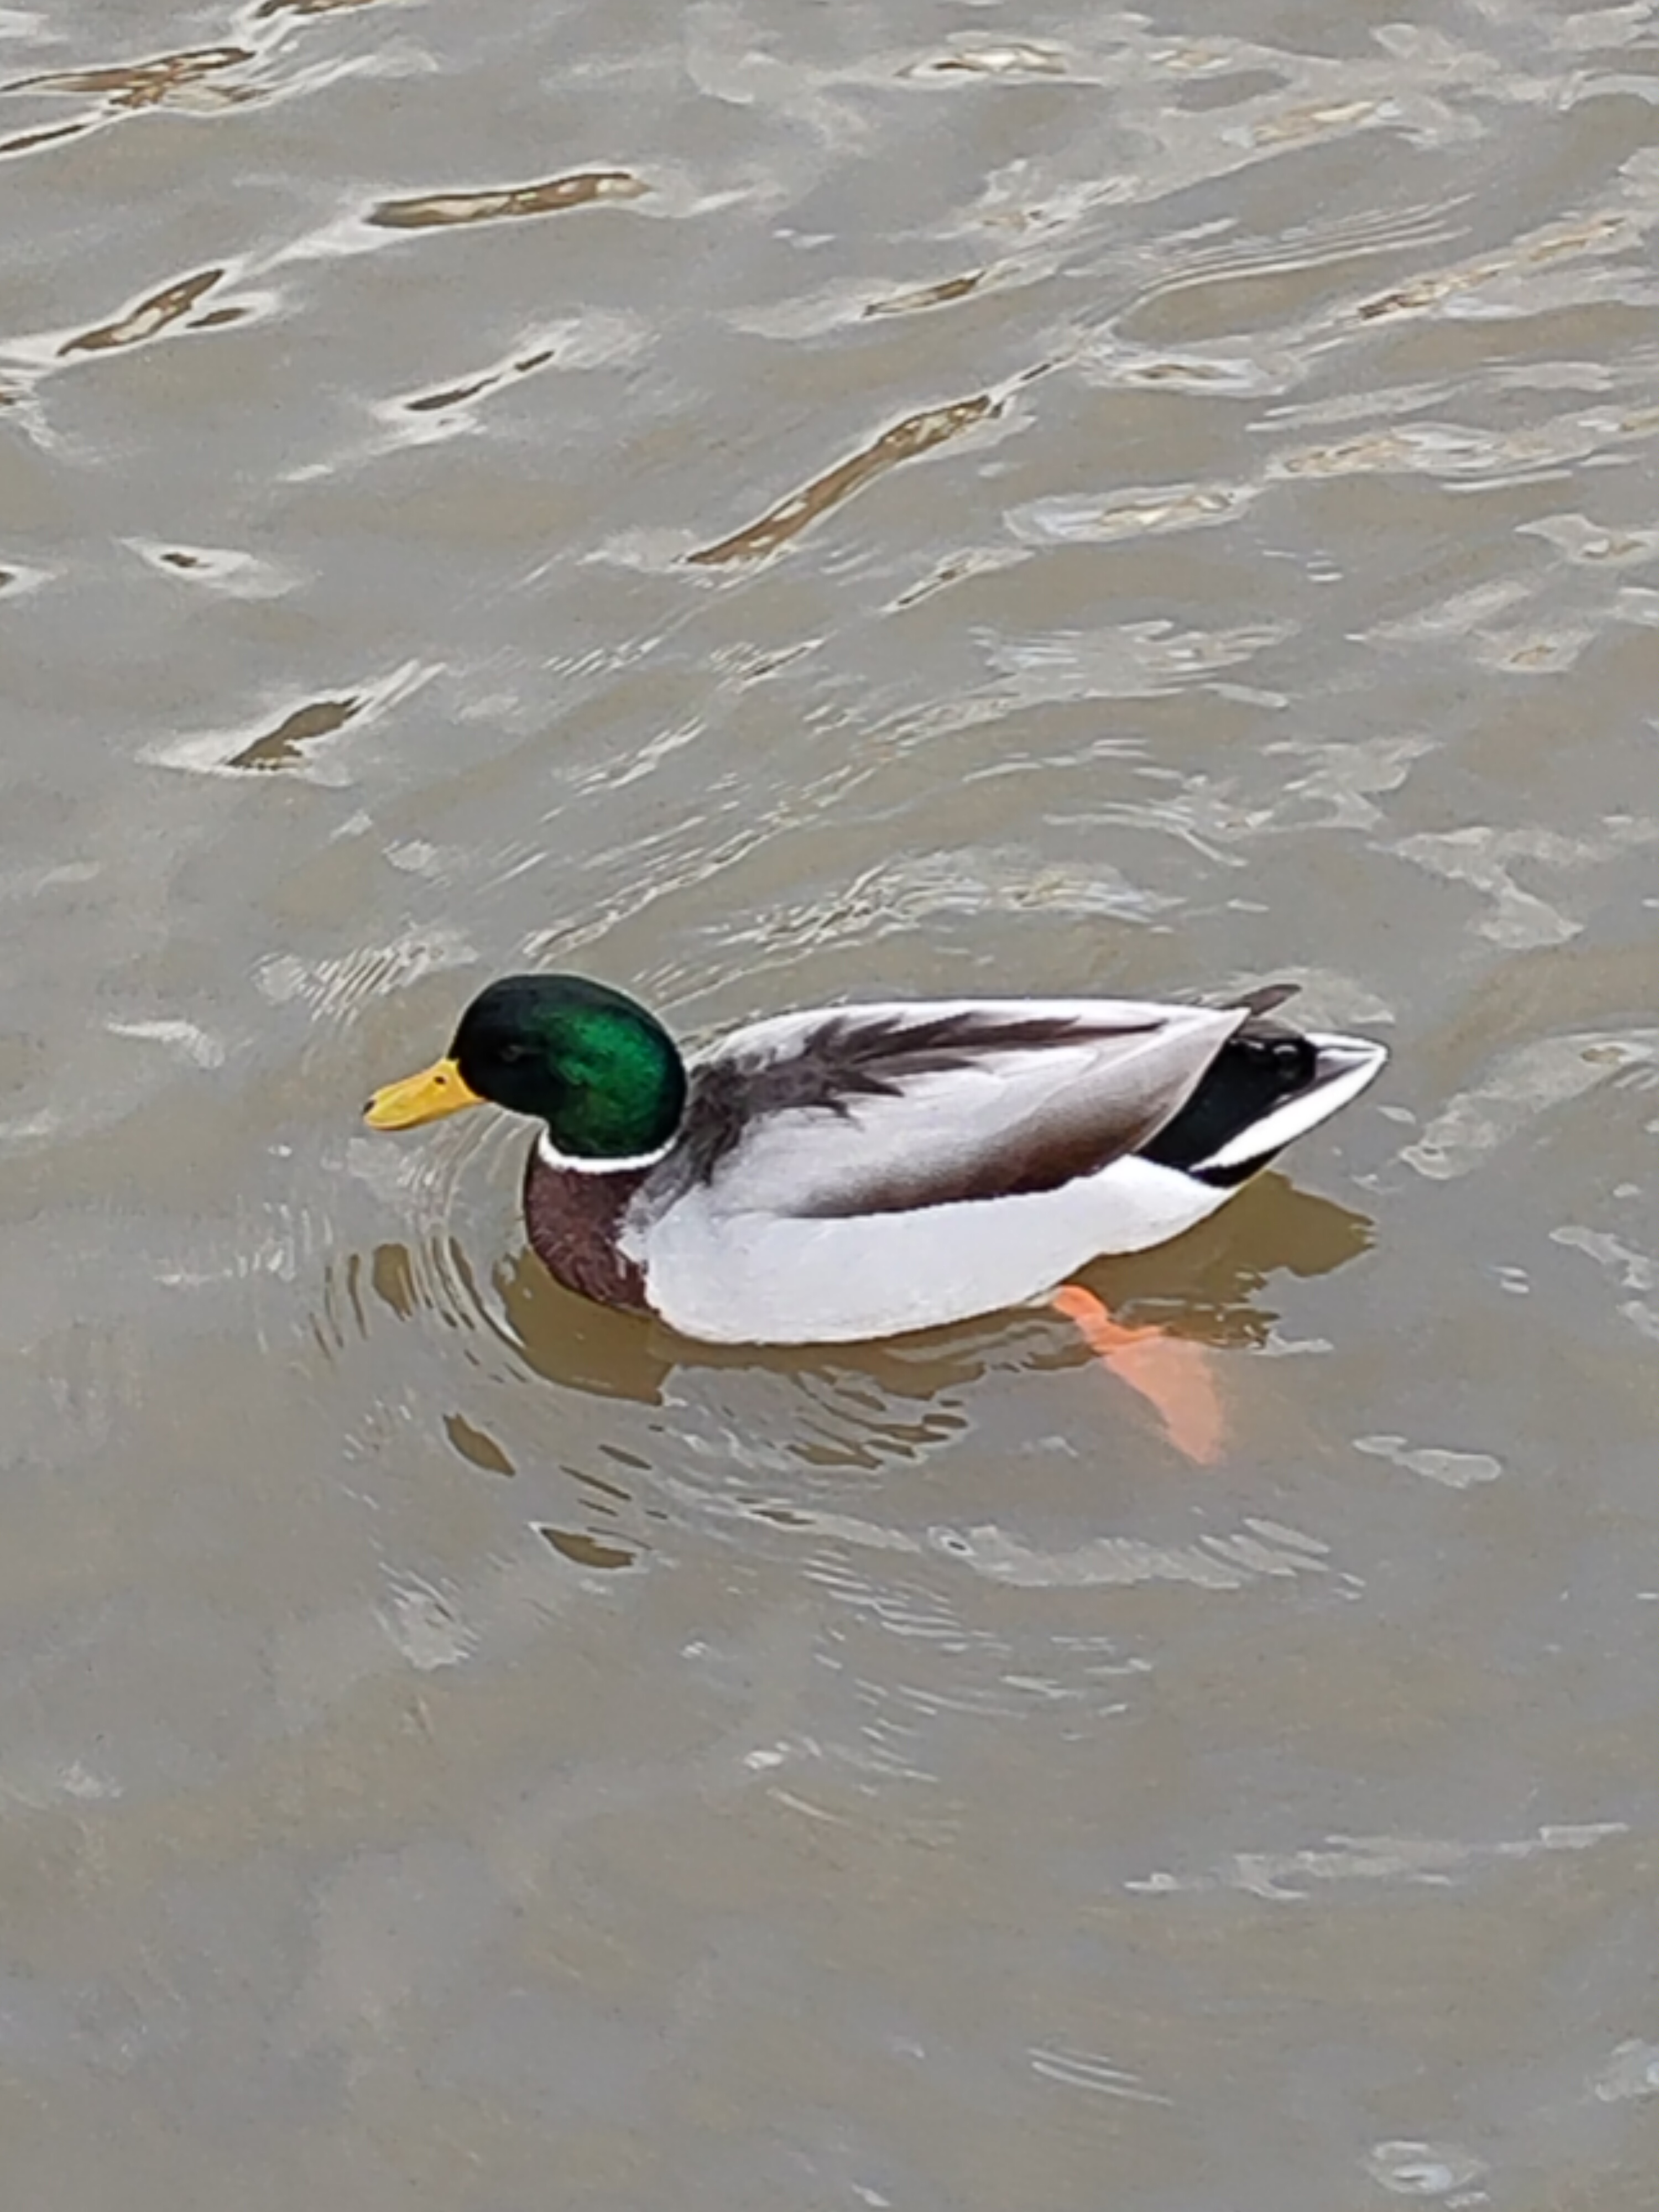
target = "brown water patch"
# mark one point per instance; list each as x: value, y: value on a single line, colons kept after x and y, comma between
x: 905, y: 441
x: 477, y: 1445
x: 461, y: 395
x: 152, y: 315
x: 443, y: 210
x: 27, y: 141
x: 130, y: 86
x: 283, y: 746
x: 928, y: 295
x: 585, y: 1550
x: 267, y: 8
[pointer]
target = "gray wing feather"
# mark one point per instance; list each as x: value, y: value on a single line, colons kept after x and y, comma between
x: 893, y: 1109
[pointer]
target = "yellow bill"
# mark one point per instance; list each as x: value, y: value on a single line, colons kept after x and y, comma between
x: 437, y: 1091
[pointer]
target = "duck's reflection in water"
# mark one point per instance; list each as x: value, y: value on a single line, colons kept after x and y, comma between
x: 725, y: 1434
x: 1175, y: 1306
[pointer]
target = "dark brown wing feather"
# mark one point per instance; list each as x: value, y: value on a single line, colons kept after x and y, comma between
x: 848, y: 1058
x: 854, y: 1056
x: 1260, y: 1005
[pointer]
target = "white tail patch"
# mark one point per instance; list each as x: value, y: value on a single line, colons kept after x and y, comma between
x: 1346, y: 1065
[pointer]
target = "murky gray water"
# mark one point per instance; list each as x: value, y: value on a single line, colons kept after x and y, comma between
x: 764, y: 504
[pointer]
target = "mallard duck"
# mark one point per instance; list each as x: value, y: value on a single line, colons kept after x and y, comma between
x: 858, y: 1172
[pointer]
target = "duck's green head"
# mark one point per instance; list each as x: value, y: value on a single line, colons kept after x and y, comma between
x: 603, y: 1074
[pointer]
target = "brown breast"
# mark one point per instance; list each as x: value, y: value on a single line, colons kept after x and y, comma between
x: 575, y: 1221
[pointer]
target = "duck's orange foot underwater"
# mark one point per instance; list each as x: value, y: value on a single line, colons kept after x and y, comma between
x: 1171, y: 1371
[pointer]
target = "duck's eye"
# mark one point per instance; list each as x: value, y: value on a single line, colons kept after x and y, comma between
x: 512, y: 1053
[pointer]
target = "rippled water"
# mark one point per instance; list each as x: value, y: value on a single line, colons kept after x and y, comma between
x: 767, y: 504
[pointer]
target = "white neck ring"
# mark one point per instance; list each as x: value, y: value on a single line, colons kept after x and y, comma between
x: 573, y: 1164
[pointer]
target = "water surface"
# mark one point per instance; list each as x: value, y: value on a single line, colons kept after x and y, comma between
x: 766, y: 504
